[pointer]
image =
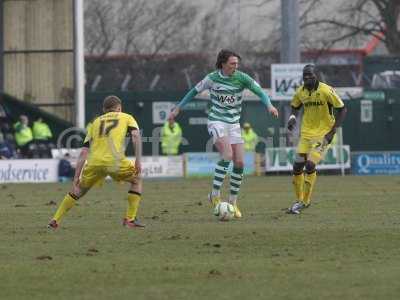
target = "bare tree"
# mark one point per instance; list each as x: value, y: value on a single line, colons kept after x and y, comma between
x: 137, y: 26
x: 325, y: 24
x: 242, y: 25
x: 162, y: 26
x: 100, y: 34
x: 172, y: 27
x: 214, y: 28
x: 355, y: 19
x: 131, y: 24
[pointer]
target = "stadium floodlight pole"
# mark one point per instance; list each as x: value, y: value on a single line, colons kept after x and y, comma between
x: 79, y: 62
x: 290, y: 50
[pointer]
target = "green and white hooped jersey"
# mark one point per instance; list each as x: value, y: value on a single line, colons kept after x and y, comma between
x: 226, y: 94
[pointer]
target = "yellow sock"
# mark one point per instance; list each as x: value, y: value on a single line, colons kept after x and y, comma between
x: 309, y: 181
x: 65, y: 206
x: 133, y: 205
x: 298, y: 182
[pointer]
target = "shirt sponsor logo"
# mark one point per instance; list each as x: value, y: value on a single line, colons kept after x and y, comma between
x: 226, y: 98
x: 313, y: 103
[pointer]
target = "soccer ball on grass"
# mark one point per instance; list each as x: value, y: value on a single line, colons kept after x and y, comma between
x: 224, y: 211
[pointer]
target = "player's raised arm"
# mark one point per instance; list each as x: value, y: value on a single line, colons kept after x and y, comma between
x: 137, y: 143
x: 80, y: 163
x: 293, y: 117
x: 201, y: 86
x: 82, y: 158
x: 188, y: 97
x: 296, y: 105
x: 339, y: 111
x: 253, y: 86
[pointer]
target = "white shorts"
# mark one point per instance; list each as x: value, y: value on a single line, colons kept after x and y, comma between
x: 218, y: 129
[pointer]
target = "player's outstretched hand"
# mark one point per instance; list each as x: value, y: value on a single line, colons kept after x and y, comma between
x: 174, y: 113
x: 273, y: 111
x: 291, y: 123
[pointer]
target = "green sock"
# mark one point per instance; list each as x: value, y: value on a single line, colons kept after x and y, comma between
x: 219, y: 175
x: 235, y: 183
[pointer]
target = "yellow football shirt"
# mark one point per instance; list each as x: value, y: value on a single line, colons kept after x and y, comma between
x: 318, y: 117
x: 106, y: 137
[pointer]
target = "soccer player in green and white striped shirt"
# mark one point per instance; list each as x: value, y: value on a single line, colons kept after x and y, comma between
x: 226, y: 86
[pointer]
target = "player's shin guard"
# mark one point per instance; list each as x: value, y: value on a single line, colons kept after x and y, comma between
x: 67, y: 203
x: 235, y: 183
x: 298, y: 183
x: 219, y: 175
x: 309, y: 181
x: 133, y: 205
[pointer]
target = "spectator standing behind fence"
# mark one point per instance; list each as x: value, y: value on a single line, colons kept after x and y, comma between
x: 6, y: 150
x: 23, y: 136
x: 65, y: 169
x: 41, y: 131
x: 250, y: 138
x: 171, y: 137
x: 42, y: 137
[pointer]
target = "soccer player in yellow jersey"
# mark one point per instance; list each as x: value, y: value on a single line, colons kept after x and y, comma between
x: 320, y: 103
x: 103, y: 154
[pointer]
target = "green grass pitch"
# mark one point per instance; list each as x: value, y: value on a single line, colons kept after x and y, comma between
x: 345, y: 246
